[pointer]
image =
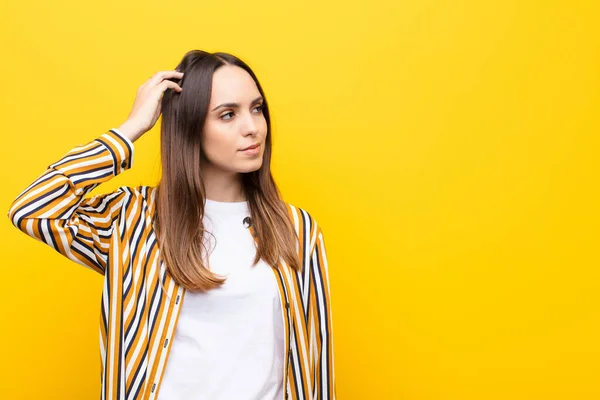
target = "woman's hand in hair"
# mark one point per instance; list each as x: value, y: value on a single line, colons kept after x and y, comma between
x: 146, y: 107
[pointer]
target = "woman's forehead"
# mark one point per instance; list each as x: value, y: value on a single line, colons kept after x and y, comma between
x: 232, y: 84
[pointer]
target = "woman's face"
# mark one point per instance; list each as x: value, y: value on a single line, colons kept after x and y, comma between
x: 234, y: 122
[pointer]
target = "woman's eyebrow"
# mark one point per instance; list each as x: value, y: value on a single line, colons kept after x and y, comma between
x: 236, y: 105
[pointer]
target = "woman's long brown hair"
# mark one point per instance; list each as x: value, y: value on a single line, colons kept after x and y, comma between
x: 180, y: 195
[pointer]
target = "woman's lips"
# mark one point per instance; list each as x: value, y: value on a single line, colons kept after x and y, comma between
x: 254, y: 146
x: 253, y: 150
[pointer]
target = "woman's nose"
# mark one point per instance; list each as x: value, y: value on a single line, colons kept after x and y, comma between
x: 250, y: 124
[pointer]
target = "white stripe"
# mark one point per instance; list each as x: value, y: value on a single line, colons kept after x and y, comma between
x: 107, y: 313
x: 65, y: 241
x: 102, y: 348
x: 327, y: 286
x: 298, y: 375
x: 66, y: 199
x: 296, y: 224
x: 299, y: 324
x: 113, y: 315
x: 152, y: 312
x: 81, y: 147
x: 324, y: 319
x: 163, y: 353
x: 76, y: 245
x: 24, y: 199
x: 158, y: 338
x: 312, y: 340
x: 95, y: 150
x: 144, y: 364
x: 87, y: 176
x: 306, y: 266
x: 289, y: 387
x: 47, y: 236
x: 118, y: 146
x: 286, y: 336
x: 104, y: 200
x: 313, y: 236
x: 29, y: 228
x: 93, y: 220
x: 29, y: 195
x: 138, y: 348
x: 86, y: 163
x: 135, y: 279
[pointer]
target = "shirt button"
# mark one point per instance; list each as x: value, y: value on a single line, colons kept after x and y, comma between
x: 287, y: 305
x: 286, y: 395
x: 123, y: 164
x: 247, y: 222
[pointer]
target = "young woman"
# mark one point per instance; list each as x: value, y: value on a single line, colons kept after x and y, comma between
x: 214, y: 287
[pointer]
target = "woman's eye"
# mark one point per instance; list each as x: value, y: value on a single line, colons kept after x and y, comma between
x: 260, y: 108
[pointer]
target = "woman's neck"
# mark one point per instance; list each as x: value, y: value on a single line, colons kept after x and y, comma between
x: 223, y: 186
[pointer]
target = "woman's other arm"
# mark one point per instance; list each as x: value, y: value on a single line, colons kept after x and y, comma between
x: 54, y: 210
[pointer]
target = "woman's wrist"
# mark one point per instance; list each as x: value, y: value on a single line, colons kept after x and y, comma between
x: 130, y: 131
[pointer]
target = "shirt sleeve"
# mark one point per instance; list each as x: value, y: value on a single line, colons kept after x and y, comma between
x: 53, y: 208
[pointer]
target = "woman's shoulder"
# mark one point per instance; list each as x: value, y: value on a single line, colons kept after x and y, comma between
x: 301, y: 216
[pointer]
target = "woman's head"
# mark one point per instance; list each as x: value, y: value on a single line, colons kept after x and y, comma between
x: 221, y: 111
x: 234, y: 122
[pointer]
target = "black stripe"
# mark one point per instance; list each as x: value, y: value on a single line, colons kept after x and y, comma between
x: 44, y: 203
x: 52, y: 238
x: 105, y: 322
x: 85, y: 178
x: 135, y: 320
x: 125, y: 208
x: 106, y: 233
x: 124, y: 141
x: 120, y: 364
x: 48, y: 175
x: 306, y: 244
x: 92, y: 261
x: 99, y: 208
x: 143, y: 288
x: 296, y: 388
x: 322, y: 320
x: 106, y: 288
x: 93, y: 151
x: 111, y: 152
x: 157, y: 308
x: 137, y: 371
x: 135, y: 248
x: 128, y: 271
x: 290, y: 319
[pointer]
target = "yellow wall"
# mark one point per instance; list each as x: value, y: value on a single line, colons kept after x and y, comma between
x: 449, y: 149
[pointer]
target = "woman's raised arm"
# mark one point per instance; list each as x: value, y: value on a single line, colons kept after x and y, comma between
x: 54, y: 209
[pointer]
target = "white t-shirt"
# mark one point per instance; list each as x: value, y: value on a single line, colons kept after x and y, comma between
x: 229, y: 342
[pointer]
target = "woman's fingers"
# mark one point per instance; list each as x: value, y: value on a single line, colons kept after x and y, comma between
x: 147, y: 104
x: 164, y: 85
x: 162, y: 75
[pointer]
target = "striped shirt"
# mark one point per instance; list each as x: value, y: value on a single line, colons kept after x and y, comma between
x: 113, y: 234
